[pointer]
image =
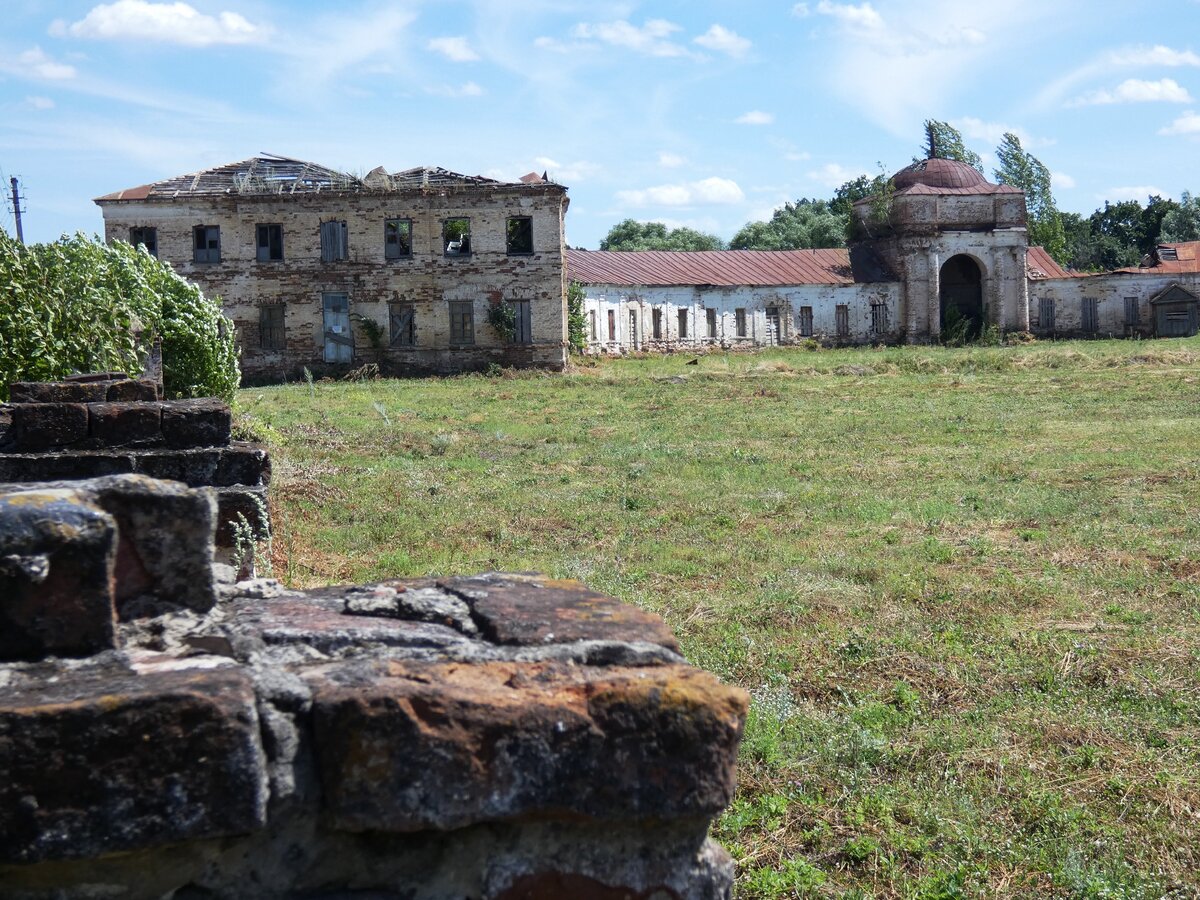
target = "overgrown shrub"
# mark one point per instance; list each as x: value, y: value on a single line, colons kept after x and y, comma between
x: 79, y: 305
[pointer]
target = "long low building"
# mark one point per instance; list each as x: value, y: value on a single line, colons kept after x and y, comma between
x: 952, y: 255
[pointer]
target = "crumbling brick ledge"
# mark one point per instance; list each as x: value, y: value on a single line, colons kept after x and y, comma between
x: 165, y: 732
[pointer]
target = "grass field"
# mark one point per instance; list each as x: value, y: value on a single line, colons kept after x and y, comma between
x: 962, y: 586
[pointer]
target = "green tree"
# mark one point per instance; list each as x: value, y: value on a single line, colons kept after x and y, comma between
x: 803, y: 225
x: 944, y: 141
x: 849, y: 193
x: 576, y: 335
x: 634, y: 235
x: 79, y: 305
x: 1022, y: 169
x: 1181, y: 223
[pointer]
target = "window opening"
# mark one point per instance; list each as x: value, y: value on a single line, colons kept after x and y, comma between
x: 456, y: 237
x: 402, y: 329
x: 206, y: 244
x: 462, y: 322
x: 519, y: 235
x: 146, y: 236
x: 397, y: 238
x: 333, y: 241
x: 270, y: 242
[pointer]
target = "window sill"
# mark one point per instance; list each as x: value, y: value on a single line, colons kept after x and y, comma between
x: 520, y: 253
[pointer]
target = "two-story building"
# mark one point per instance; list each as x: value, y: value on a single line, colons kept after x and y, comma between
x: 419, y: 270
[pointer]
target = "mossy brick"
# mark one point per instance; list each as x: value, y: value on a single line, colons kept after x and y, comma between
x: 56, y: 392
x: 131, y: 390
x: 407, y: 745
x: 119, y: 424
x: 57, y: 556
x: 111, y: 761
x: 47, y: 426
x: 205, y: 422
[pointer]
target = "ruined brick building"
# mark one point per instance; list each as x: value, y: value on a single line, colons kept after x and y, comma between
x: 320, y: 268
x: 952, y: 251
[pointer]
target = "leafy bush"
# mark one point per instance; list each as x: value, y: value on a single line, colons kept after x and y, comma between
x: 576, y: 324
x: 79, y: 305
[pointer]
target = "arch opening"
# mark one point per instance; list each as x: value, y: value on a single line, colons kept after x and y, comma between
x: 961, y: 296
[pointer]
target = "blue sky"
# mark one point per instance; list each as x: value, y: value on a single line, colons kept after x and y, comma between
x: 698, y: 113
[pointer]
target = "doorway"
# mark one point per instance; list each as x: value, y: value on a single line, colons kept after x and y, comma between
x: 961, y: 295
x: 339, y: 340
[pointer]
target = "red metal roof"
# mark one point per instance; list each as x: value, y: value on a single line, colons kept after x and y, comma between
x: 939, y: 173
x: 1186, y: 262
x: 1040, y: 265
x: 722, y: 268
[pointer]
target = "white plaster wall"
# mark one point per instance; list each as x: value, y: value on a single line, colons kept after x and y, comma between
x: 640, y: 302
x: 1110, y: 291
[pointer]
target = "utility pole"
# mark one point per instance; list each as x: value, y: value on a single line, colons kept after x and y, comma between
x: 16, y: 202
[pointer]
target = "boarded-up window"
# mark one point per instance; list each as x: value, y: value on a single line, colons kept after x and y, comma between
x: 657, y: 318
x: 519, y: 235
x: 402, y: 328
x: 879, y: 318
x: 1089, y: 315
x: 456, y: 237
x: 206, y: 244
x: 462, y: 322
x: 397, y: 238
x: 1132, y: 313
x: 333, y: 241
x: 806, y: 321
x: 739, y: 321
x: 710, y: 319
x: 592, y: 324
x: 612, y: 325
x: 269, y: 240
x: 842, y: 319
x: 522, y: 322
x: 1046, y: 314
x: 683, y: 324
x: 146, y: 236
x: 271, y: 335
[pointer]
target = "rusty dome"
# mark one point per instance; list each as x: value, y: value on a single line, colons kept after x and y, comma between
x: 938, y: 173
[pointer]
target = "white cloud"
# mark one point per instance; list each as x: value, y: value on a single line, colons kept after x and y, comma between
x: 708, y: 192
x: 1135, y: 90
x: 468, y: 89
x: 992, y: 132
x: 1061, y: 181
x: 455, y: 49
x: 1157, y: 55
x: 40, y: 102
x: 670, y: 160
x: 34, y: 61
x: 721, y: 40
x: 1188, y: 123
x: 835, y: 175
x: 755, y: 117
x: 567, y: 173
x: 863, y: 16
x: 1137, y: 192
x: 334, y: 45
x: 650, y: 39
x: 169, y: 23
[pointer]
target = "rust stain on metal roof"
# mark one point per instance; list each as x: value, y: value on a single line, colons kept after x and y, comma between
x: 725, y: 268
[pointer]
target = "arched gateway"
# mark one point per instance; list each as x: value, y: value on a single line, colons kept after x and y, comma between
x: 961, y: 299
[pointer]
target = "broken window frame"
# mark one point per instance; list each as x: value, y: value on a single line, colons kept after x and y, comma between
x: 612, y: 325
x: 272, y: 327
x: 462, y: 322
x: 841, y: 314
x: 453, y: 235
x: 145, y: 236
x: 710, y: 319
x: 519, y: 243
x: 397, y: 239
x: 805, y: 321
x: 268, y: 250
x: 683, y: 324
x: 402, y: 325
x: 879, y: 318
x: 335, y: 244
x: 656, y: 322
x: 740, y: 328
x: 206, y: 243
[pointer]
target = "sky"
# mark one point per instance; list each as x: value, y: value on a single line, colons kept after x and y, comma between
x: 704, y: 114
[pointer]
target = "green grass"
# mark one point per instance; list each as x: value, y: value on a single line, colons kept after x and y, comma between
x: 962, y: 586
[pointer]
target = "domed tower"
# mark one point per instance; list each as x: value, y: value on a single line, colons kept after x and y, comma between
x: 957, y: 242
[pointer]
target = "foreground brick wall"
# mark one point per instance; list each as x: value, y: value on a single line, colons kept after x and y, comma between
x: 506, y: 737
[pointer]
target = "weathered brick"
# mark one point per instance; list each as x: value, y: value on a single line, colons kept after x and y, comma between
x: 118, y: 424
x: 132, y: 390
x: 196, y: 423
x: 46, y: 426
x: 405, y: 746
x: 57, y: 553
x: 63, y: 465
x: 56, y: 392
x: 242, y: 463
x: 107, y: 761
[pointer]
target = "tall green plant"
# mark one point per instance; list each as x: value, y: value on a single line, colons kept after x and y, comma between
x: 576, y: 323
x: 79, y: 305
